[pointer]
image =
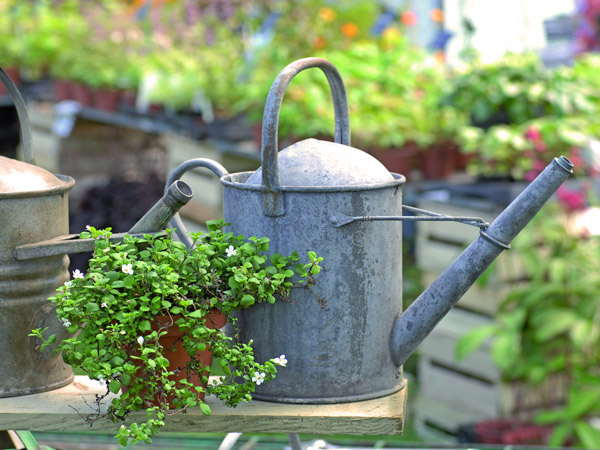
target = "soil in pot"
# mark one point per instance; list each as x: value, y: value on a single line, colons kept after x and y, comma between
x: 176, y: 354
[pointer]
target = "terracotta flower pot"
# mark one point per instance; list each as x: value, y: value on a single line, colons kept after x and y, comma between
x: 398, y: 160
x: 176, y: 354
x: 63, y: 90
x: 439, y: 160
x: 15, y: 76
x: 83, y: 94
x: 106, y: 99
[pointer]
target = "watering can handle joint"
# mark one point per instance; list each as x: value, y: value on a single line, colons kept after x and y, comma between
x: 271, y: 185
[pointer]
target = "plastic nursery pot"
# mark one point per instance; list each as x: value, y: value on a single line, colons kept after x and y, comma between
x: 178, y: 358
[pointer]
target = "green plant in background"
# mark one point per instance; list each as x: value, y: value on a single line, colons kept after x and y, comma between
x: 518, y: 88
x: 524, y: 115
x: 549, y: 325
x: 8, y: 36
x: 394, y: 92
x: 110, y: 311
x: 521, y: 151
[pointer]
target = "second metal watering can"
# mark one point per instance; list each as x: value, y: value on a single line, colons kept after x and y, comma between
x: 33, y: 262
x: 346, y: 337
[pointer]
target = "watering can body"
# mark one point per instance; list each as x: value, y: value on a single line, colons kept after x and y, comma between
x: 30, y: 210
x: 331, y: 333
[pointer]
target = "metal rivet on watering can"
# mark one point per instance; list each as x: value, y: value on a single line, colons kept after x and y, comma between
x: 33, y: 262
x: 346, y: 337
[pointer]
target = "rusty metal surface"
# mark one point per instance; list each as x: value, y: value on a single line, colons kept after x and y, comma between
x: 20, y: 179
x: 24, y: 288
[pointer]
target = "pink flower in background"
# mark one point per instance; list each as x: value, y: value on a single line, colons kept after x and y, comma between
x: 571, y: 199
x: 575, y: 157
x: 533, y: 134
x: 538, y: 166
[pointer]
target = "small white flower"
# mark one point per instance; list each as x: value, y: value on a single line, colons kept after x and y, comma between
x: 126, y: 268
x: 258, y: 378
x: 140, y: 340
x: 88, y: 228
x: 77, y: 274
x: 106, y: 250
x: 66, y: 322
x: 68, y: 284
x: 104, y: 305
x: 122, y: 332
x: 230, y: 251
x: 124, y: 254
x: 281, y: 361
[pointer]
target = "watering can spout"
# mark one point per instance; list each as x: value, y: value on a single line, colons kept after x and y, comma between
x: 431, y: 306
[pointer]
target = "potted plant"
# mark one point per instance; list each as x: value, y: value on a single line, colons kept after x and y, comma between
x: 137, y: 292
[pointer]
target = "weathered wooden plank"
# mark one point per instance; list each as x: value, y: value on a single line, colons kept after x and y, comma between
x: 62, y: 410
x: 440, y: 346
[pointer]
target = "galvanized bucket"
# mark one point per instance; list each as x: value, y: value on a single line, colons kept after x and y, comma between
x: 33, y: 206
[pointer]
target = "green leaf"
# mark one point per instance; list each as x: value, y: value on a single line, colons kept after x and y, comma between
x: 505, y: 351
x: 553, y: 322
x: 587, y: 434
x: 205, y: 409
x: 117, y: 361
x: 548, y: 417
x: 582, y: 402
x: 560, y: 434
x: 125, y: 378
x: 472, y: 340
x: 198, y: 314
x: 128, y: 281
x: 145, y: 326
x: 91, y: 307
x: 225, y: 367
x: 114, y: 386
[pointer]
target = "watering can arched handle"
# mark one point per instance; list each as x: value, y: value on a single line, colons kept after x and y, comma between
x: 24, y: 123
x: 271, y: 185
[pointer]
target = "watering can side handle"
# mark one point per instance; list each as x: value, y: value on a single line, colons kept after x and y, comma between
x: 176, y: 174
x: 272, y: 197
x: 24, y: 122
x: 419, y: 319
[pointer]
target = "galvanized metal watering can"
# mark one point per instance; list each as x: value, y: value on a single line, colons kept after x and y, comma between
x: 33, y: 262
x: 346, y: 337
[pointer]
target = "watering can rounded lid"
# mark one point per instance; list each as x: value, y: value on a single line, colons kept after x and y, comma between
x: 320, y: 163
x: 21, y: 177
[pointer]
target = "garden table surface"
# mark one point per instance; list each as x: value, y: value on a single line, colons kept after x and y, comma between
x: 63, y: 410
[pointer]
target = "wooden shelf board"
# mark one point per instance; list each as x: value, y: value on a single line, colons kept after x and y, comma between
x: 62, y: 410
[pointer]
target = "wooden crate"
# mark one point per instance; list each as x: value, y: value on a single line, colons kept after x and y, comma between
x: 207, y: 202
x: 454, y: 393
x: 438, y: 244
